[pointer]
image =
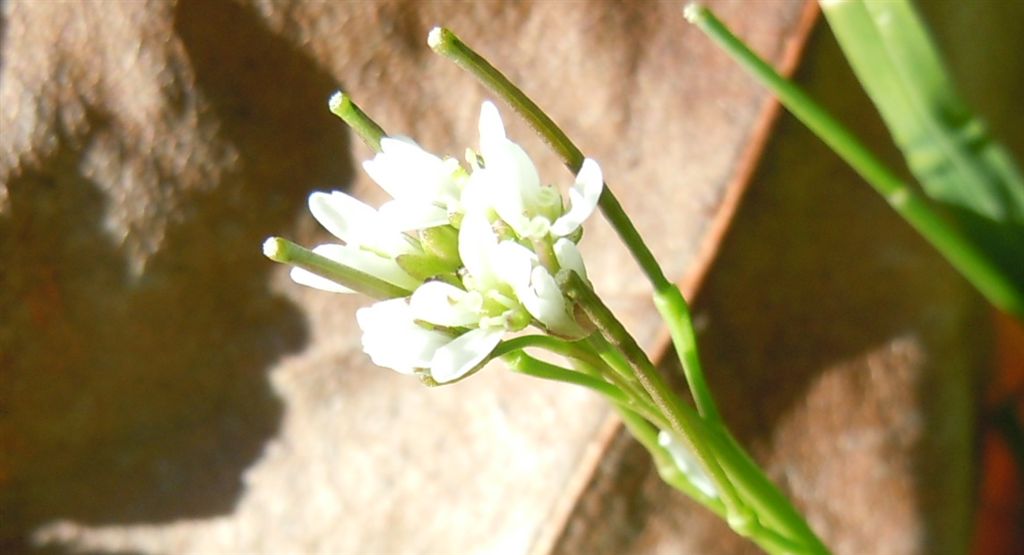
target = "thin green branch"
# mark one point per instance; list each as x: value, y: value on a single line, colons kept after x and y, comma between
x: 287, y: 252
x: 647, y: 435
x: 530, y: 366
x: 681, y: 418
x: 586, y: 361
x: 726, y: 463
x: 568, y: 349
x: 342, y: 106
x: 445, y: 42
x: 676, y: 313
x: 957, y: 249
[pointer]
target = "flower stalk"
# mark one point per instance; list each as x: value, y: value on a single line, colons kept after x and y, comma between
x: 681, y: 418
x: 460, y: 256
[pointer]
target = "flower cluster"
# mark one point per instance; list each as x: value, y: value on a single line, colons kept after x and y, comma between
x: 476, y: 247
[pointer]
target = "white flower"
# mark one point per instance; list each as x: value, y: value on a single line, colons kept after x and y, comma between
x: 687, y: 463
x: 511, y: 275
x: 451, y: 323
x: 393, y: 339
x: 425, y: 188
x: 371, y: 244
x: 515, y: 191
x: 491, y: 264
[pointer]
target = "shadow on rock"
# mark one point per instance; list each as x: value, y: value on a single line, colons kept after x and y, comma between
x: 144, y: 398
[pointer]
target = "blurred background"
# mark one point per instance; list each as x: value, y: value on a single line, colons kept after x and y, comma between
x: 166, y: 389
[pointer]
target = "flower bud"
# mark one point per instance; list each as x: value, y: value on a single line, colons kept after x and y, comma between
x: 441, y: 242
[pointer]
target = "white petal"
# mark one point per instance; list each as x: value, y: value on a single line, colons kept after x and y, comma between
x: 476, y: 241
x: 445, y: 305
x: 364, y: 261
x: 405, y: 170
x: 393, y: 340
x: 492, y: 130
x: 341, y: 214
x: 309, y: 279
x: 511, y: 179
x: 455, y: 359
x: 505, y: 196
x: 512, y: 263
x: 544, y: 301
x: 476, y: 195
x: 583, y: 198
x: 356, y: 223
x: 542, y: 298
x: 409, y: 215
x: 687, y: 463
x: 569, y: 257
x: 514, y: 183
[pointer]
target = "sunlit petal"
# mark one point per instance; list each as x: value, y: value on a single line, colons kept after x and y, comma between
x: 569, y: 257
x: 492, y: 130
x: 393, y: 340
x: 512, y: 263
x: 476, y: 241
x: 544, y: 301
x: 412, y: 214
x: 463, y: 354
x: 341, y: 214
x: 583, y: 199
x: 445, y: 305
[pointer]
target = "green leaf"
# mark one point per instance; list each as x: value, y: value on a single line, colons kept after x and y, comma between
x: 947, y: 148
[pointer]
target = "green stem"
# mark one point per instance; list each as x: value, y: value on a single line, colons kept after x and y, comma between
x: 445, y: 42
x: 772, y: 508
x: 770, y: 541
x: 619, y: 366
x: 586, y: 361
x: 525, y: 364
x: 555, y: 345
x: 773, y: 523
x: 957, y: 249
x: 676, y: 313
x: 647, y: 435
x: 287, y: 252
x: 681, y: 418
x: 342, y: 106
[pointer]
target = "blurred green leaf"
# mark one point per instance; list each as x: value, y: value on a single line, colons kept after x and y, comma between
x: 947, y: 148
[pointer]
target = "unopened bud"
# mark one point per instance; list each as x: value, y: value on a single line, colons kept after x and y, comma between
x: 442, y: 242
